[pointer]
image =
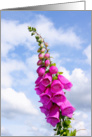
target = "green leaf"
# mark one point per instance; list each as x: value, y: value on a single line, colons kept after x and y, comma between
x: 73, y: 133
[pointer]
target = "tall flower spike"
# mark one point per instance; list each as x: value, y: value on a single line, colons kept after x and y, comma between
x: 49, y: 86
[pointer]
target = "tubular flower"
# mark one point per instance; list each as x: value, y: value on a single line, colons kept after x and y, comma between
x: 66, y: 83
x: 53, y: 116
x: 47, y: 79
x: 67, y: 109
x: 59, y: 97
x: 56, y: 86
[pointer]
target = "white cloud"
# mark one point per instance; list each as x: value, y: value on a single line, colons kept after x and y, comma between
x: 80, y: 94
x: 14, y: 34
x: 87, y: 52
x: 16, y: 103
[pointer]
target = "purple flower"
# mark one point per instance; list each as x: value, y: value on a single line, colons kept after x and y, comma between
x: 47, y: 63
x: 67, y: 109
x: 66, y: 83
x: 38, y: 91
x: 56, y: 86
x: 53, y: 69
x: 44, y: 110
x: 53, y: 116
x: 47, y: 79
x: 39, y: 79
x: 41, y: 71
x: 46, y: 96
x: 58, y: 98
x: 42, y: 87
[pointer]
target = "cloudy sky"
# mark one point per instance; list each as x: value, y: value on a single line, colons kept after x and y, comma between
x: 69, y: 36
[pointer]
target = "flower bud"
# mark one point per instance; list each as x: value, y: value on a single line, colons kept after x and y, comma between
x: 41, y: 56
x: 47, y: 63
x: 41, y: 45
x: 42, y: 50
x: 41, y: 71
x: 39, y: 62
x: 47, y: 55
x: 46, y: 44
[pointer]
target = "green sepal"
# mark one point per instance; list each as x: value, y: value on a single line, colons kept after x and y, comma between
x: 54, y: 78
x: 53, y: 64
x: 29, y: 28
x: 60, y: 73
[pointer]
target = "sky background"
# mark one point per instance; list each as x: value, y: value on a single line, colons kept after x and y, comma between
x: 68, y: 34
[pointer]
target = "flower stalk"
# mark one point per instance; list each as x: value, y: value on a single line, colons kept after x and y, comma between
x: 49, y: 86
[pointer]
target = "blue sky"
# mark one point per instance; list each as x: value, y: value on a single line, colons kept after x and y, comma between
x: 69, y: 36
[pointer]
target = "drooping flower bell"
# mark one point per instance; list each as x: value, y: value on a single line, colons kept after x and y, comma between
x: 66, y: 83
x: 53, y: 116
x: 47, y: 79
x: 58, y: 97
x: 67, y: 109
x: 56, y: 86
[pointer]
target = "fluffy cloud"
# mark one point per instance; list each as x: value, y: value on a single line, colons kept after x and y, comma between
x: 16, y: 103
x: 80, y: 94
x: 14, y: 34
x: 87, y: 52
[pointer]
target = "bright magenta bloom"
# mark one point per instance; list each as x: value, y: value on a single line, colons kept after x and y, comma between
x: 53, y: 69
x: 58, y: 98
x: 47, y: 79
x: 44, y: 110
x: 53, y: 117
x: 56, y: 86
x: 39, y: 79
x: 67, y: 109
x: 39, y: 62
x: 38, y: 91
x: 41, y: 56
x: 47, y: 55
x: 41, y: 71
x: 46, y: 96
x: 49, y: 105
x: 66, y: 83
x: 47, y: 63
x: 42, y: 87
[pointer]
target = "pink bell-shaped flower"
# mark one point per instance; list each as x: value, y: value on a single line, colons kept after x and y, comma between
x: 38, y: 91
x: 56, y: 86
x: 66, y: 83
x: 59, y: 97
x: 53, y: 117
x: 47, y: 79
x: 67, y: 109
x: 53, y: 69
x: 42, y: 87
x: 39, y: 79
x: 44, y: 110
x: 46, y: 96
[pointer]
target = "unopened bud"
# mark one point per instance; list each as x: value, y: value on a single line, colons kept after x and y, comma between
x: 46, y: 44
x: 42, y: 50
x: 41, y: 45
x: 47, y: 63
x: 41, y: 56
